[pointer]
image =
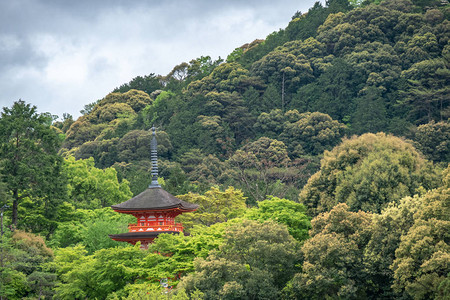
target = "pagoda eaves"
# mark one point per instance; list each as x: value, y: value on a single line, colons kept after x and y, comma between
x: 152, y: 199
x: 155, y: 210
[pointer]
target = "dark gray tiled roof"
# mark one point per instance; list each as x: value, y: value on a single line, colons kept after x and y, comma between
x: 154, y: 199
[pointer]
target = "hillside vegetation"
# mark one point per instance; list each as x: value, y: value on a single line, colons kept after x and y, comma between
x: 319, y: 158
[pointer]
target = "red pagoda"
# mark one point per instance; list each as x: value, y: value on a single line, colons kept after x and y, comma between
x: 155, y: 210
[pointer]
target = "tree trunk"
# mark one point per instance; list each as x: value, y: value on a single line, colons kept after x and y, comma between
x: 282, y: 95
x: 15, y: 209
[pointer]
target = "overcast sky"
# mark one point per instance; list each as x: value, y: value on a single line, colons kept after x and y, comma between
x: 61, y: 55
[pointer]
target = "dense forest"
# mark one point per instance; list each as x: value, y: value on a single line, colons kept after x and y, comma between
x: 319, y: 158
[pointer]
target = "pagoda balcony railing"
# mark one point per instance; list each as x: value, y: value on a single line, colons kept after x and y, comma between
x: 153, y: 228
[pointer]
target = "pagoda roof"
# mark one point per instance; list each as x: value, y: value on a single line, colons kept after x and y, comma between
x: 154, y: 198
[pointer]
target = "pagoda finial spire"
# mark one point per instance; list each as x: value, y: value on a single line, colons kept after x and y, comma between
x: 154, y: 159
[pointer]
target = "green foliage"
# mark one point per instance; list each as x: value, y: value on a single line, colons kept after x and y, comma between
x: 147, y: 83
x: 259, y: 122
x: 205, y: 170
x: 432, y: 139
x: 137, y: 173
x: 421, y: 260
x: 427, y: 90
x: 305, y: 25
x: 124, y: 271
x: 87, y: 109
x: 214, y: 206
x: 283, y: 211
x: 98, y: 275
x: 23, y: 271
x: 110, y: 117
x: 175, y: 179
x: 255, y: 261
x: 89, y: 187
x: 145, y: 291
x: 160, y: 110
x: 235, y: 55
x: 90, y: 228
x: 224, y: 78
x: 201, y: 67
x: 370, y: 114
x: 135, y: 99
x: 283, y: 69
x: 367, y: 173
x: 386, y: 230
x: 256, y: 163
x: 333, y: 264
x: 333, y: 92
x: 135, y: 145
x: 29, y: 163
x: 312, y: 134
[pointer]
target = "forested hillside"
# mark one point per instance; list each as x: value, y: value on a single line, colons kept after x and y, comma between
x: 318, y: 158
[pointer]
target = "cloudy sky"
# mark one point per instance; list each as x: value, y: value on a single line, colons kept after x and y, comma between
x: 61, y: 55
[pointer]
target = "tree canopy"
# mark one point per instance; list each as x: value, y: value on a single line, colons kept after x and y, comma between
x: 318, y: 157
x: 368, y: 172
x: 29, y: 162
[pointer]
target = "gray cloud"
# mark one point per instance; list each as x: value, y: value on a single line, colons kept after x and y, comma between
x: 61, y: 55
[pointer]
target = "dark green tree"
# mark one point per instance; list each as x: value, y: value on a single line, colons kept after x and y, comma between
x: 257, y: 164
x: 370, y: 113
x: 147, y: 83
x: 433, y: 139
x: 334, y: 91
x: 29, y: 161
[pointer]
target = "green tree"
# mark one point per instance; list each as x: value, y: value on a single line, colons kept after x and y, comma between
x: 334, y: 91
x: 312, y: 134
x: 147, y: 83
x: 65, y: 123
x: 161, y: 109
x: 89, y: 107
x: 256, y: 163
x: 214, y: 206
x: 427, y: 90
x: 97, y: 275
x: 422, y: 259
x: 137, y: 173
x: 201, y: 67
x: 254, y: 262
x: 367, y: 173
x: 121, y: 271
x: 305, y: 134
x: 204, y: 170
x: 23, y: 271
x: 226, y: 77
x: 135, y: 99
x: 111, y: 111
x: 370, y: 114
x: 271, y: 124
x: 283, y: 211
x: 271, y: 99
x: 386, y: 231
x: 29, y: 161
x: 135, y: 145
x: 305, y: 25
x: 82, y: 131
x: 333, y: 265
x: 90, y: 187
x: 433, y: 139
